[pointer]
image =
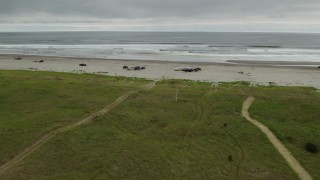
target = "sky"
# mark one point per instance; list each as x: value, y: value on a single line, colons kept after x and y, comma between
x: 161, y: 15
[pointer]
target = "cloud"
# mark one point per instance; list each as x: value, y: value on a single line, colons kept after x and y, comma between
x: 165, y: 12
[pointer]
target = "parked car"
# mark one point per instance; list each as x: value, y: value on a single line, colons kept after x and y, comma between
x: 134, y: 67
x: 187, y: 69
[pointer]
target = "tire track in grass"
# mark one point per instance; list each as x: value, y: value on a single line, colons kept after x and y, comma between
x: 285, y: 153
x: 241, y: 150
x: 220, y: 144
x: 199, y: 117
x: 29, y: 150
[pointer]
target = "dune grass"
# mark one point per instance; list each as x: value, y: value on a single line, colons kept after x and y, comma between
x: 150, y: 135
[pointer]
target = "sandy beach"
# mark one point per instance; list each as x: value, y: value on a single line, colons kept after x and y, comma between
x: 256, y: 73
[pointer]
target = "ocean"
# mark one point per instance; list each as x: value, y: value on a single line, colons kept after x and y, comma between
x: 166, y: 46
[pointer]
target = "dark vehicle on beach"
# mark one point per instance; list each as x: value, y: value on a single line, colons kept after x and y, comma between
x: 82, y: 64
x: 134, y: 67
x: 188, y: 69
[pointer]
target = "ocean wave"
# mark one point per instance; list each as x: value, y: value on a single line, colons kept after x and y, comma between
x: 287, y: 51
x: 264, y: 46
x: 166, y: 51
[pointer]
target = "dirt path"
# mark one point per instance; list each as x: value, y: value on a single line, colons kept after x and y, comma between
x: 293, y: 163
x: 26, y: 152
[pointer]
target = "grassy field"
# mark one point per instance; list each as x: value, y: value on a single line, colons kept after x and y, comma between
x: 34, y: 103
x: 150, y: 135
x: 293, y: 114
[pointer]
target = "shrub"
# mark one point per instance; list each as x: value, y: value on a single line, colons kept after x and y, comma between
x: 311, y: 147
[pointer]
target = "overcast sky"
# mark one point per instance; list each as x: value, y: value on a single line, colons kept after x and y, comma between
x: 160, y: 15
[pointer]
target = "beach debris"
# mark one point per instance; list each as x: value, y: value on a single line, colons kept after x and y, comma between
x: 82, y: 64
x: 272, y: 84
x: 79, y: 71
x: 35, y: 69
x: 41, y: 61
x: 102, y: 72
x: 188, y: 69
x: 18, y: 58
x: 134, y: 68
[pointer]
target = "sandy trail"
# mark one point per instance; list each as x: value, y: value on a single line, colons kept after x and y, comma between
x: 293, y: 163
x: 29, y: 150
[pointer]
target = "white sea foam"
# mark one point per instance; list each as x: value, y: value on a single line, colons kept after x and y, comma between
x: 207, y: 47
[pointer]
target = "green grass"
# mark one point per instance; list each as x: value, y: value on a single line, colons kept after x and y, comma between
x: 151, y: 135
x: 293, y: 114
x: 34, y: 103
